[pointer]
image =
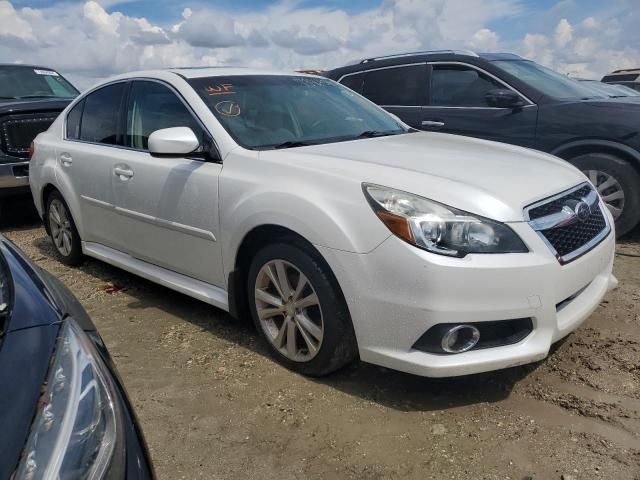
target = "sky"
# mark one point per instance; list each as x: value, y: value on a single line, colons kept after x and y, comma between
x: 88, y: 41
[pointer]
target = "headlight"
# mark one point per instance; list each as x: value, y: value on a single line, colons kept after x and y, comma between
x: 438, y: 228
x: 76, y: 430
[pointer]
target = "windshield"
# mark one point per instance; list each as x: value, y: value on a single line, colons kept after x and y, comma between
x: 550, y: 83
x: 29, y: 82
x: 282, y: 111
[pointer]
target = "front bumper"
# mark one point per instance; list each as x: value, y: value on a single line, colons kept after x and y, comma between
x: 14, y: 177
x: 397, y: 292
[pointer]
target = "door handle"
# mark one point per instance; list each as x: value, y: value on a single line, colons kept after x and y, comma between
x: 65, y: 159
x: 432, y: 123
x: 123, y: 173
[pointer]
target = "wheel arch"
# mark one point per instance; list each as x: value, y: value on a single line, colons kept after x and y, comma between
x: 574, y: 149
x: 255, y: 239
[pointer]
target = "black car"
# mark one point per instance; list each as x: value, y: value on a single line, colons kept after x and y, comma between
x: 629, y: 78
x: 31, y: 97
x: 506, y: 98
x: 63, y: 410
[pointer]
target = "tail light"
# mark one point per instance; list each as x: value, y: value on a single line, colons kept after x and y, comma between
x: 32, y: 150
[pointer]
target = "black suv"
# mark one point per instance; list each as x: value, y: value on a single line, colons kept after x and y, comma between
x: 506, y: 98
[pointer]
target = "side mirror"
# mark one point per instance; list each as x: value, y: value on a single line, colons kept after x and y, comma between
x: 173, y: 141
x: 503, y: 98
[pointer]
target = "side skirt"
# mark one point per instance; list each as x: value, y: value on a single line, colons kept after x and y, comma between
x: 210, y: 294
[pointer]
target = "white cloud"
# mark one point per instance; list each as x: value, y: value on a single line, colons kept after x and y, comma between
x: 484, y: 40
x: 564, y: 33
x: 91, y: 39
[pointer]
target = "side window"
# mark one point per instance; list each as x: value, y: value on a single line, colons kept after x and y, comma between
x: 401, y: 86
x: 460, y: 86
x: 354, y: 82
x: 153, y: 106
x: 73, y: 121
x: 100, y: 115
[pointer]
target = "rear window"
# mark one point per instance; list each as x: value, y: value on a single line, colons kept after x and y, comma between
x: 354, y: 82
x: 101, y: 114
x: 397, y: 86
x: 29, y: 82
x: 626, y: 77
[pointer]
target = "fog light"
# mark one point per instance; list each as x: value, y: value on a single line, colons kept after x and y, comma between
x: 460, y: 338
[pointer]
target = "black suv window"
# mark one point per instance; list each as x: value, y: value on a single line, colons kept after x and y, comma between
x: 354, y: 82
x: 153, y: 106
x: 460, y: 86
x: 100, y: 115
x: 396, y: 86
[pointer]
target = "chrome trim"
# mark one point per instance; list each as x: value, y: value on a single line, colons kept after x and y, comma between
x: 564, y: 217
x: 126, y: 81
x: 469, y: 53
x: 499, y: 80
x: 168, y: 224
x: 593, y: 203
x: 178, y: 227
x: 380, y: 68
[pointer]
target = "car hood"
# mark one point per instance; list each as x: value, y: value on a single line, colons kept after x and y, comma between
x: 8, y: 106
x: 490, y: 179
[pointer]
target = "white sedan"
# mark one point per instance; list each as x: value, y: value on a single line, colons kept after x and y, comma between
x: 342, y: 232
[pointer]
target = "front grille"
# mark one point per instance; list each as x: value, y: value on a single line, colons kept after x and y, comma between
x: 572, y: 236
x: 556, y: 204
x: 18, y: 131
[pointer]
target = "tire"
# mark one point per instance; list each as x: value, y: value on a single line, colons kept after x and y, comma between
x: 598, y: 167
x: 330, y: 332
x: 62, y: 230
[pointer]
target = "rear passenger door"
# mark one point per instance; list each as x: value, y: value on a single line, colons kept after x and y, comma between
x: 92, y: 141
x: 399, y: 89
x: 457, y: 104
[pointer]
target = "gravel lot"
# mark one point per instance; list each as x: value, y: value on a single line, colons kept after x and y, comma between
x: 214, y: 405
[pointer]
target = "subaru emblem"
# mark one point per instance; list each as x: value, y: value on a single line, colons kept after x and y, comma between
x: 582, y: 211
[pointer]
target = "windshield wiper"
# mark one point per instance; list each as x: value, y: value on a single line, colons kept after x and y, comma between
x: 8, y: 98
x: 376, y: 133
x: 39, y: 96
x: 289, y: 144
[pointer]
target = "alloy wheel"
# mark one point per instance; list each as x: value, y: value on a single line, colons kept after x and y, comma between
x: 60, y: 227
x: 609, y: 189
x: 289, y: 310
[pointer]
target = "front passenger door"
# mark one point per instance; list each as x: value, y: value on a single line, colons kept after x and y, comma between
x: 168, y: 206
x: 458, y: 104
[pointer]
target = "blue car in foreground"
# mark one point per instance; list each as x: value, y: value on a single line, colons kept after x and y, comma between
x: 63, y: 410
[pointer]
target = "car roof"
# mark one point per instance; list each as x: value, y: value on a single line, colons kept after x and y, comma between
x: 200, y: 72
x: 22, y: 65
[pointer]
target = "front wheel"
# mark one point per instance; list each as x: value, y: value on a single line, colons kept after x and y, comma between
x: 618, y: 183
x: 298, y: 309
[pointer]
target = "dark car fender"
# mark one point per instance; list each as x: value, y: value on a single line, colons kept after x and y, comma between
x: 575, y: 148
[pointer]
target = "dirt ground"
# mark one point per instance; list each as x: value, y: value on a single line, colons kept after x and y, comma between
x: 214, y: 405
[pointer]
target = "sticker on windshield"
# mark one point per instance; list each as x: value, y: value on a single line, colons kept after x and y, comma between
x: 222, y: 89
x: 228, y: 108
x: 47, y: 72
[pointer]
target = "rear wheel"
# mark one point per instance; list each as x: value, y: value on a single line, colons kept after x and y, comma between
x: 298, y: 309
x: 618, y: 183
x: 62, y: 230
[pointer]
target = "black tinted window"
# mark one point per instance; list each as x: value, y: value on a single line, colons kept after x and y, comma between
x: 101, y: 113
x: 73, y: 121
x: 404, y: 86
x: 460, y: 86
x: 153, y: 106
x: 28, y: 82
x: 354, y: 82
